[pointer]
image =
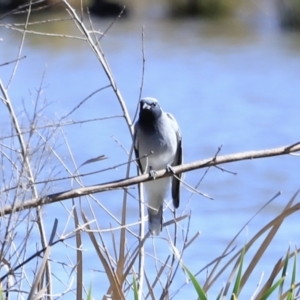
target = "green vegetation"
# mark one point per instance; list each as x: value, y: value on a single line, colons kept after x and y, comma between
x: 268, y: 291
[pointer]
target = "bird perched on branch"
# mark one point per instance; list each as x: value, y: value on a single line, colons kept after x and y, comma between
x: 157, y: 144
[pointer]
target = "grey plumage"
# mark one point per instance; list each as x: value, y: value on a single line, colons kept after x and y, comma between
x: 158, y: 136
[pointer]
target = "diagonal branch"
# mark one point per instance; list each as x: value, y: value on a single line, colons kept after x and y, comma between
x: 124, y: 183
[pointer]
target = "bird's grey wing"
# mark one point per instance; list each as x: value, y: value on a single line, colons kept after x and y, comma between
x: 175, y: 181
x: 136, y: 147
x: 177, y: 161
x: 153, y: 188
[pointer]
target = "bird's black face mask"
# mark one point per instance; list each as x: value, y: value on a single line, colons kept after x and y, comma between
x: 149, y: 112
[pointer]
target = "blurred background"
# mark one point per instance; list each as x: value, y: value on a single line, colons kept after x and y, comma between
x: 229, y: 71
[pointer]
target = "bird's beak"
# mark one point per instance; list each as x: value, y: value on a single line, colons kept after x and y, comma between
x: 146, y: 106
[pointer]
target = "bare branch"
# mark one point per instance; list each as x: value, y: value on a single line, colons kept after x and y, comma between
x: 124, y: 183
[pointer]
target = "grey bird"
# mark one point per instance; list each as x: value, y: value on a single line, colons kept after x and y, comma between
x: 157, y: 144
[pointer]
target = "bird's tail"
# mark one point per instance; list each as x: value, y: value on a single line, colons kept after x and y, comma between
x: 155, y: 220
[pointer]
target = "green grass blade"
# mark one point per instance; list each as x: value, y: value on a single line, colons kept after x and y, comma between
x: 197, y: 286
x: 220, y: 295
x: 291, y: 292
x: 2, y: 297
x: 135, y: 288
x: 283, y: 273
x: 237, y: 284
x: 89, y: 295
x: 272, y: 289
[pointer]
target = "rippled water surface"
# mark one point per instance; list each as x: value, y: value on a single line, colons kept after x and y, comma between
x: 230, y: 83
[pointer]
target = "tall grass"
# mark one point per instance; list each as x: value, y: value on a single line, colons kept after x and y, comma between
x: 76, y: 257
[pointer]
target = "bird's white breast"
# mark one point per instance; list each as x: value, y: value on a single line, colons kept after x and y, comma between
x: 161, y: 147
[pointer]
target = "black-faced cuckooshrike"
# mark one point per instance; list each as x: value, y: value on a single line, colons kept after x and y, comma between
x: 157, y: 138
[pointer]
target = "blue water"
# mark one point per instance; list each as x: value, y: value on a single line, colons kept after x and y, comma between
x: 232, y: 83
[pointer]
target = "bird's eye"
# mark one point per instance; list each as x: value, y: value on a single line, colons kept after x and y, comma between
x: 153, y: 104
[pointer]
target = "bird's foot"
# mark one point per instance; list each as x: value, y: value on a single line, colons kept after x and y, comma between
x: 170, y: 169
x: 152, y: 173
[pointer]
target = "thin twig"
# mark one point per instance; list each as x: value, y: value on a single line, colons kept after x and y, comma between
x: 39, y: 252
x: 111, y: 24
x: 28, y: 169
x: 40, y: 22
x: 12, y: 61
x: 84, y: 100
x: 73, y: 176
x: 61, y: 124
x: 143, y: 74
x: 141, y: 263
x: 47, y: 34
